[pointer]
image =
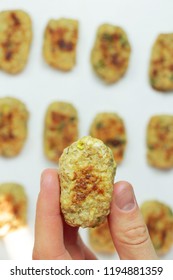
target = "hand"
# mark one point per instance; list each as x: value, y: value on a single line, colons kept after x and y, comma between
x: 55, y: 240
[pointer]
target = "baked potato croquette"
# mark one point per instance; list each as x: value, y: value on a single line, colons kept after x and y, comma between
x: 111, y: 53
x: 160, y: 141
x: 87, y: 170
x: 159, y: 220
x: 161, y: 63
x: 100, y: 239
x: 110, y: 128
x: 13, y: 207
x: 15, y: 40
x: 61, y: 129
x: 13, y: 126
x: 60, y: 42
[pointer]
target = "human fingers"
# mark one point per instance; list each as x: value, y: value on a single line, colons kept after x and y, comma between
x: 49, y: 240
x: 88, y: 255
x: 128, y: 230
x: 74, y: 244
x: 71, y: 241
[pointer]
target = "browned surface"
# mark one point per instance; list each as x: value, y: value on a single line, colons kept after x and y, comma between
x: 61, y: 129
x: 159, y: 220
x: 110, y: 128
x: 13, y: 126
x: 160, y: 141
x: 86, y: 182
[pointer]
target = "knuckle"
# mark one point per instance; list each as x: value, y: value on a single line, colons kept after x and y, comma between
x: 135, y: 236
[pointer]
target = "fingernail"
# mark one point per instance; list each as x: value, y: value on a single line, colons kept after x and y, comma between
x: 125, y: 198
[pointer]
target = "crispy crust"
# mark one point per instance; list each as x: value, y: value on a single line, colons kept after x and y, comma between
x: 60, y: 41
x: 111, y: 53
x: 13, y: 126
x: 61, y: 129
x: 159, y: 220
x: 13, y: 207
x: 160, y: 141
x: 87, y: 170
x: 100, y: 239
x: 109, y: 128
x: 15, y: 40
x: 161, y: 63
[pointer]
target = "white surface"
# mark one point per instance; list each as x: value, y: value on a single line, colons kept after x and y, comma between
x: 132, y: 97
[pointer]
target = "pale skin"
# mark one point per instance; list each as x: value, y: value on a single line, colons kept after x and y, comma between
x: 55, y: 240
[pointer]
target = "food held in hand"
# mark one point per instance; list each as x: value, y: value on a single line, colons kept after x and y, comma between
x: 86, y: 169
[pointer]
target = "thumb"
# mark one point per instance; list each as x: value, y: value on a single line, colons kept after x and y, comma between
x: 127, y: 227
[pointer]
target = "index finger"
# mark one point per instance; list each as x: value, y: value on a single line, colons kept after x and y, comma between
x: 49, y: 243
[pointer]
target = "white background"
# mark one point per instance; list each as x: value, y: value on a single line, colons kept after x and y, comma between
x: 132, y: 97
